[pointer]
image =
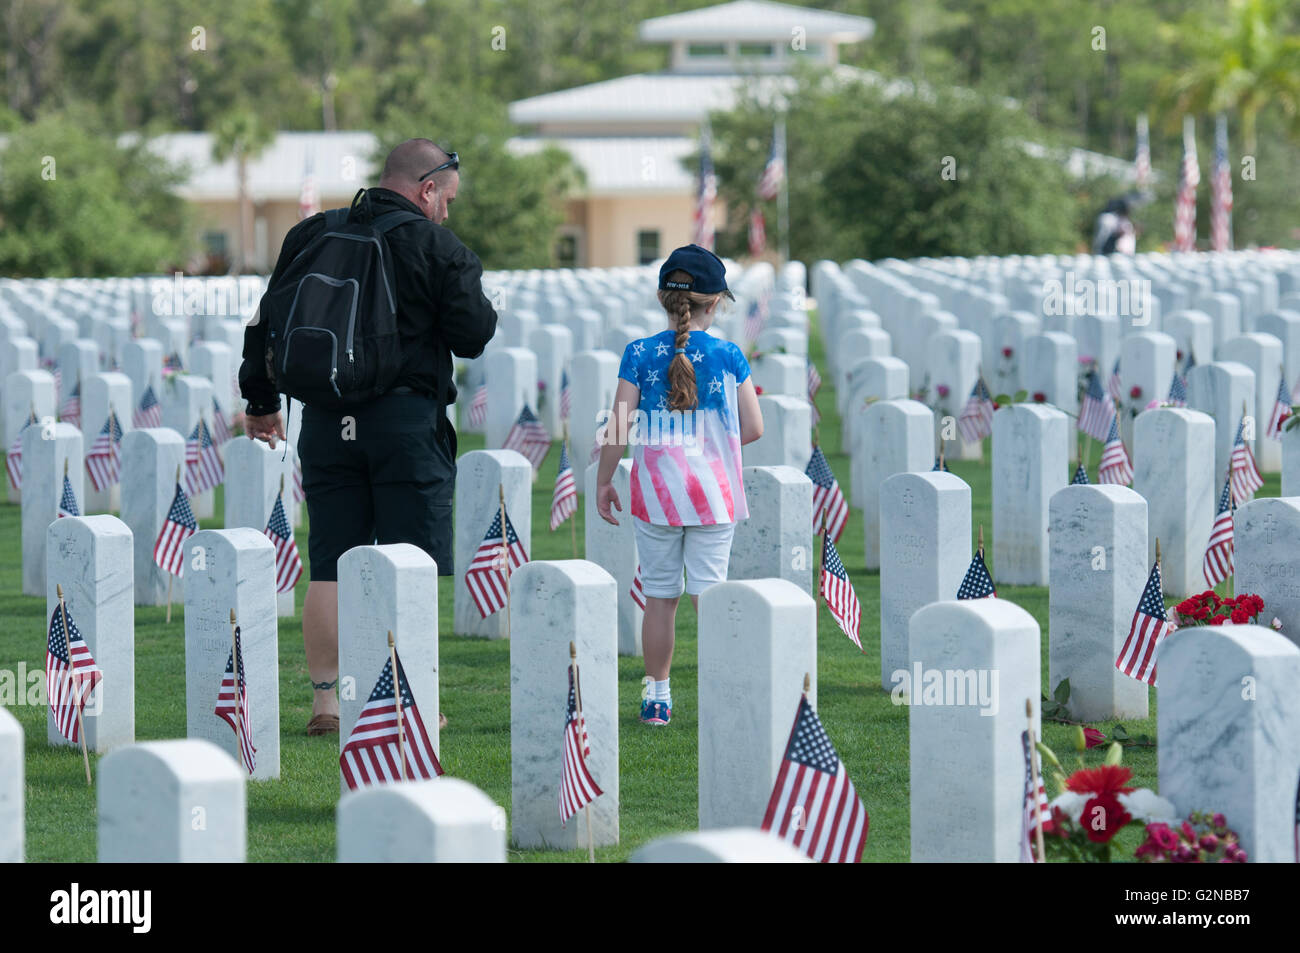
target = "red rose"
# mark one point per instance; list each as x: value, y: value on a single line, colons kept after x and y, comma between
x: 1135, y: 392
x: 1007, y: 352
x: 1202, y: 614
x: 1165, y: 838
x: 1185, y: 606
x: 995, y: 405
x: 757, y: 389
x: 1258, y: 603
x: 1040, y: 397
x: 1218, y: 620
x: 1103, y: 816
x: 1092, y: 737
x: 1240, y: 616
x: 1230, y: 601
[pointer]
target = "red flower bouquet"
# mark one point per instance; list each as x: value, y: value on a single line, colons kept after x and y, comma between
x: 1209, y: 608
x: 1201, y: 839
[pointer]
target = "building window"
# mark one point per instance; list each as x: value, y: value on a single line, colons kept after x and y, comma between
x: 757, y: 50
x: 811, y: 49
x: 647, y: 246
x: 566, y: 251
x: 216, y: 244
x: 706, y: 50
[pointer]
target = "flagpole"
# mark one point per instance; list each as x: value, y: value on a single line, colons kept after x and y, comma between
x: 505, y: 551
x: 980, y: 548
x: 234, y: 677
x: 397, y: 702
x: 1232, y: 504
x: 67, y: 637
x: 171, y: 576
x: 577, y: 698
x: 783, y: 196
x: 1033, y: 771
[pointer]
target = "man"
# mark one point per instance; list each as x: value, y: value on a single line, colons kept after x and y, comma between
x: 383, y: 471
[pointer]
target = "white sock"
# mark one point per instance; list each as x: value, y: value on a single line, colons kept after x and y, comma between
x: 661, y: 691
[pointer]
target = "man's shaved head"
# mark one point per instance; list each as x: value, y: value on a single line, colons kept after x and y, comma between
x: 408, y: 161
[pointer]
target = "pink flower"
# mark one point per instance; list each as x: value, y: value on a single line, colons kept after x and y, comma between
x: 1007, y: 352
x: 943, y: 390
x: 1135, y: 392
x: 1085, y: 359
x: 1092, y: 737
x: 1276, y: 624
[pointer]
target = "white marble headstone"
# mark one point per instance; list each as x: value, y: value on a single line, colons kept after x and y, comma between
x: 447, y: 821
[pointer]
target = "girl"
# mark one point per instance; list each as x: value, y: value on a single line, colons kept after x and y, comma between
x: 693, y: 405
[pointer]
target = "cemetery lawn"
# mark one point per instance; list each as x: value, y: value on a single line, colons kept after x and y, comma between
x: 293, y: 819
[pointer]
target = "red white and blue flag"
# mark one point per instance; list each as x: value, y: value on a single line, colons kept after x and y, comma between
x: 566, y: 396
x: 976, y: 420
x: 637, y: 592
x: 1177, y: 391
x: 1150, y: 626
x: 1115, y: 386
x: 1221, y: 190
x: 488, y: 576
x: 564, y: 500
x: 476, y: 416
x: 1218, y: 562
x: 757, y: 232
x: 827, y: 496
x: 814, y: 805
x: 706, y: 193
x: 288, y: 564
x: 68, y: 500
x: 577, y: 787
x: 204, y: 468
x: 1281, y: 411
x: 149, y: 413
x: 14, y: 458
x: 1115, y: 467
x: 70, y: 673
x: 1098, y: 409
x: 529, y: 437
x: 1185, y: 204
x: 70, y: 409
x: 220, y: 425
x: 104, y: 460
x: 769, y: 183
x: 977, y: 583
x: 180, y: 525
x: 1142, y: 161
x: 232, y: 704
x: 838, y: 592
x: 1036, y: 811
x: 372, y: 754
x: 1245, y: 474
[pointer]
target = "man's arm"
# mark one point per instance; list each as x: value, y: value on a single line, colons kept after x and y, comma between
x: 467, y: 320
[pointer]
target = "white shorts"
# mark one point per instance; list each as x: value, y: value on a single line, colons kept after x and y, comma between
x: 664, y: 551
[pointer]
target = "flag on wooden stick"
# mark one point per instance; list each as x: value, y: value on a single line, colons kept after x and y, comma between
x: 70, y: 672
x: 372, y: 754
x: 488, y: 575
x: 838, y: 592
x: 577, y: 787
x: 1218, y: 562
x: 1149, y: 628
x: 232, y: 703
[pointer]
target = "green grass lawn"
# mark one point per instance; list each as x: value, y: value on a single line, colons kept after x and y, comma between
x: 293, y: 819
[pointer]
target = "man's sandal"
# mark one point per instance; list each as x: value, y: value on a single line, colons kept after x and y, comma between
x: 323, y: 724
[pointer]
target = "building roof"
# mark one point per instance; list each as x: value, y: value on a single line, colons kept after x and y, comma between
x: 643, y: 97
x: 756, y: 20
x: 341, y: 163
x: 623, y: 164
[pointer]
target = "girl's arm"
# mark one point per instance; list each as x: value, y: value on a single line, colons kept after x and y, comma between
x: 613, y: 442
x: 751, y: 417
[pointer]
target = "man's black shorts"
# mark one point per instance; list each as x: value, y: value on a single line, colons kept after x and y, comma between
x: 380, y: 473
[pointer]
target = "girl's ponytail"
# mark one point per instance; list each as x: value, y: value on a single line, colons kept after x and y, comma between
x: 681, y: 372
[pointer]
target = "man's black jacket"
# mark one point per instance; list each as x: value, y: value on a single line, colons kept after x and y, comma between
x: 441, y: 308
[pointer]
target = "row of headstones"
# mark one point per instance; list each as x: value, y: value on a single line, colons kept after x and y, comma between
x: 970, y: 666
x: 150, y: 460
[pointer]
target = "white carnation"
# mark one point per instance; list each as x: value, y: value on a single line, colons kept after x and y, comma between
x: 1070, y: 804
x: 1147, y: 806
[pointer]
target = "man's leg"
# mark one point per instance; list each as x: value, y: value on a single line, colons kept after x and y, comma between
x: 320, y: 637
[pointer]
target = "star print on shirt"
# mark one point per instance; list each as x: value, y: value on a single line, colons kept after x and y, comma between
x: 637, y: 348
x: 697, y: 356
x: 715, y: 386
x: 661, y: 349
x: 663, y: 403
x: 652, y: 377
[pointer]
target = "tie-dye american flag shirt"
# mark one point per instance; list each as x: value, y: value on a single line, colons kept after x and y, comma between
x: 686, y: 467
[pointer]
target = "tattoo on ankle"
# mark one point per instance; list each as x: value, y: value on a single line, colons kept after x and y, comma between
x: 324, y: 686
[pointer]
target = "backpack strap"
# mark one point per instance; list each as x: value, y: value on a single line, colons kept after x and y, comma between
x: 335, y: 217
x: 390, y: 220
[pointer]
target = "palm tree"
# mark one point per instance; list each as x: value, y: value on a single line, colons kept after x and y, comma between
x: 1243, y: 65
x: 241, y: 135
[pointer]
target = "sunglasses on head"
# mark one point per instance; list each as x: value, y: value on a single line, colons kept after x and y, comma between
x: 453, y: 162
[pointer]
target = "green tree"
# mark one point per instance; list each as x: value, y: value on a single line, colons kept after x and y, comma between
x: 242, y: 136
x: 76, y: 202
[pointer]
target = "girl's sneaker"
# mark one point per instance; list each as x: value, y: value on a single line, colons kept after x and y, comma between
x: 653, y: 712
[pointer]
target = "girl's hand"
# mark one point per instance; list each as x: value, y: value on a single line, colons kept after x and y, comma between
x: 607, y: 496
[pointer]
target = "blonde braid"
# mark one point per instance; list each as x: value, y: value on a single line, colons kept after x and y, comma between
x: 681, y: 372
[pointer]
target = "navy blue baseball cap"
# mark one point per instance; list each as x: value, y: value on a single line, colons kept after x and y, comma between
x: 708, y: 274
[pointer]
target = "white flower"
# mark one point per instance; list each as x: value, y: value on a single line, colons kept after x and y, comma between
x: 1070, y: 804
x: 1277, y: 623
x: 1150, y: 808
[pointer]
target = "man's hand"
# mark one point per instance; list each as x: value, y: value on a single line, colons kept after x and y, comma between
x: 266, y: 428
x: 607, y: 496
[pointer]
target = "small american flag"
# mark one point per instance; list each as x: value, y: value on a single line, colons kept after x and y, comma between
x: 204, y: 468
x: 476, y: 416
x: 1185, y: 204
x: 940, y: 465
x: 232, y: 704
x: 169, y: 547
x: 637, y: 592
x: 1080, y: 477
x: 70, y: 409
x: 1036, y: 810
x: 371, y: 755
x: 1221, y: 190
x: 1218, y: 561
x: 288, y: 564
x: 577, y: 787
x: 977, y: 583
x: 14, y: 459
x: 827, y: 496
x: 103, y: 462
x: 172, y: 364
x: 1281, y: 411
x: 1098, y: 409
x: 838, y: 592
x: 706, y: 193
x: 1177, y: 392
x: 755, y: 319
x: 757, y: 232
x: 68, y: 500
x: 488, y: 575
x: 220, y: 425
x: 814, y: 385
x: 529, y: 437
x: 769, y: 183
x: 814, y: 805
x: 566, y: 396
x: 70, y: 673
x: 564, y: 500
x: 298, y: 493
x: 149, y: 413
x: 1137, y: 658
x: 1142, y: 162
x: 1115, y: 466
x: 1115, y: 386
x: 976, y: 420
x: 1245, y: 474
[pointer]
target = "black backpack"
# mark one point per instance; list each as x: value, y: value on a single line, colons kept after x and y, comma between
x: 331, y: 320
